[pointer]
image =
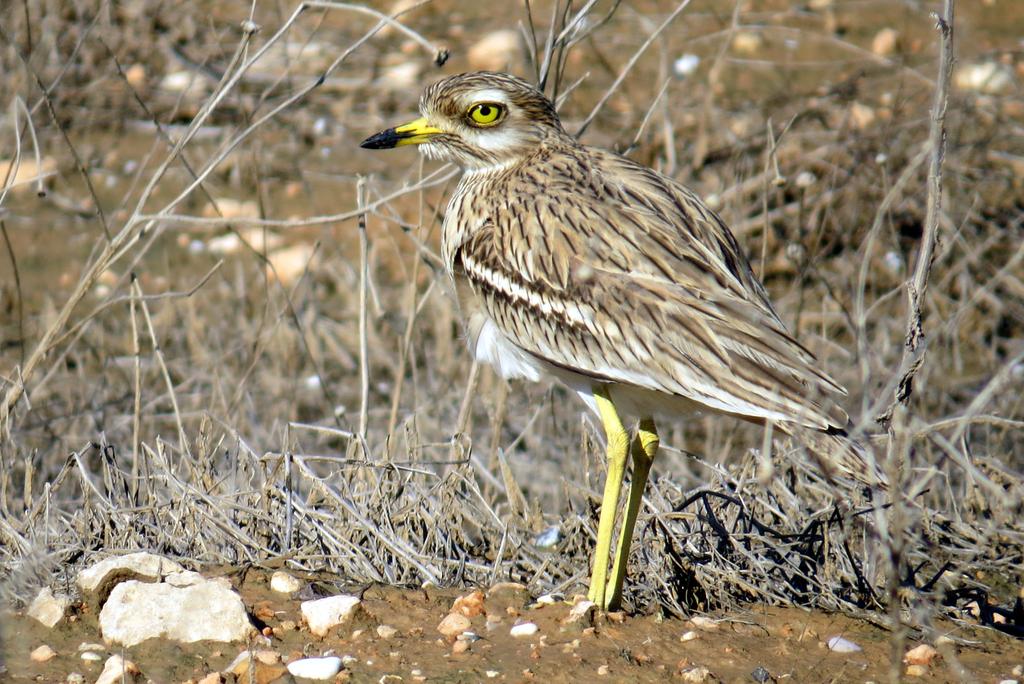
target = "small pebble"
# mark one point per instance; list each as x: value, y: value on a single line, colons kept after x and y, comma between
x: 315, y: 668
x: 460, y: 647
x: 75, y: 678
x: 549, y: 538
x: 92, y: 656
x: 704, y: 623
x: 42, y: 654
x: 838, y: 644
x: 885, y: 42
x: 453, y: 624
x: 582, y: 610
x: 761, y: 675
x: 117, y: 670
x: 323, y: 614
x: 689, y: 636
x: 491, y: 674
x: 386, y: 631
x: 524, y: 629
x: 470, y: 605
x: 696, y: 674
x: 922, y: 654
x: 603, y: 670
x: 685, y: 65
x: 916, y: 670
x: 283, y: 583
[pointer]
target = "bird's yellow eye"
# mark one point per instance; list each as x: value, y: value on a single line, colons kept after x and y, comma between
x: 485, y: 113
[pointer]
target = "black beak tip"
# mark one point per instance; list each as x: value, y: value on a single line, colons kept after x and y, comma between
x: 381, y: 141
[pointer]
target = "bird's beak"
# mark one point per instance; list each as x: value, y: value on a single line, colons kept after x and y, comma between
x: 412, y: 133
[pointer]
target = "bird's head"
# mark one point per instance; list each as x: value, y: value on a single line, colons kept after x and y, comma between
x: 477, y: 120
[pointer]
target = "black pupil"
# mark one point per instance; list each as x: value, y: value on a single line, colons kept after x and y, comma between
x: 485, y: 111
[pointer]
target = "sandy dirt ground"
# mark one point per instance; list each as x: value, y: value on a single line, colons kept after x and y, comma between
x: 760, y: 643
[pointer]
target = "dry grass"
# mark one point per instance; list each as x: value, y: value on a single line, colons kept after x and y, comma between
x: 202, y: 407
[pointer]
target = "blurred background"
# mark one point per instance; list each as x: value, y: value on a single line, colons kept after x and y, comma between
x: 226, y: 334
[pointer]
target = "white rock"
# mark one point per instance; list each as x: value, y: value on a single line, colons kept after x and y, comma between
x: 289, y: 263
x: 322, y: 614
x: 400, y: 76
x: 41, y: 654
x: 990, y: 78
x: 840, y: 645
x: 75, y: 678
x: 495, y: 51
x: 386, y: 631
x: 315, y: 668
x: 179, y: 81
x: 689, y: 636
x: 581, y: 610
x: 685, y: 65
x: 117, y: 670
x: 99, y: 579
x: 1008, y: 681
x: 283, y: 583
x: 549, y: 538
x: 491, y: 674
x: 228, y: 243
x: 47, y: 608
x: 524, y: 629
x: 91, y: 656
x: 704, y: 623
x: 696, y: 674
x: 89, y: 646
x: 137, y: 611
x: 805, y: 179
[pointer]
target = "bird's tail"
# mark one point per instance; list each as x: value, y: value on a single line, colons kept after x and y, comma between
x: 841, y: 456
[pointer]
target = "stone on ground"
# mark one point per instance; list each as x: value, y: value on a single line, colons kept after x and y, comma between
x: 47, y: 608
x: 207, y: 610
x: 315, y: 668
x: 42, y: 654
x: 323, y: 614
x: 98, y: 580
x: 117, y: 670
x: 454, y: 624
x: 283, y: 583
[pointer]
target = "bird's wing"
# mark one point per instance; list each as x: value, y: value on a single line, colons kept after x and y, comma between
x: 616, y: 272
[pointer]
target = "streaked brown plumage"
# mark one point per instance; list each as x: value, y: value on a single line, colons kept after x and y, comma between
x: 578, y: 263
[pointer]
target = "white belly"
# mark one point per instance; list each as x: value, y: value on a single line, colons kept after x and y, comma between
x: 508, y: 360
x: 491, y: 346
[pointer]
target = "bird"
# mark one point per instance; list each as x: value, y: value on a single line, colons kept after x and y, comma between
x: 576, y: 263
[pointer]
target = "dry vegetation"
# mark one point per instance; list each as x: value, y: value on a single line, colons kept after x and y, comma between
x: 297, y: 393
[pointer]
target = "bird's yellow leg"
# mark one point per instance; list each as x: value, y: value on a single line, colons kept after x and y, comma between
x: 644, y: 449
x: 618, y: 452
